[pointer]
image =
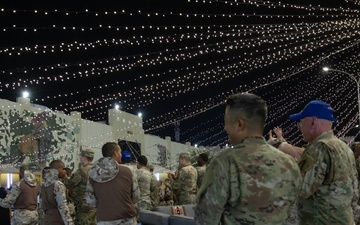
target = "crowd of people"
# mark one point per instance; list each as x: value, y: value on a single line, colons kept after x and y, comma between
x: 257, y: 181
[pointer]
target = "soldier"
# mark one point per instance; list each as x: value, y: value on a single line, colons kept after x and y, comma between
x: 154, y: 187
x: 113, y: 189
x: 144, y: 180
x: 253, y: 182
x: 85, y: 215
x: 202, y: 160
x: 184, y: 182
x: 23, y: 196
x: 53, y: 196
x: 329, y: 192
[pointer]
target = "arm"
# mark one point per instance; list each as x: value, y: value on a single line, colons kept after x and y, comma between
x: 135, y: 189
x: 90, y: 195
x: 11, y: 197
x: 60, y: 197
x: 154, y: 191
x: 213, y: 194
x: 313, y: 165
x: 73, y: 181
x: 355, y: 183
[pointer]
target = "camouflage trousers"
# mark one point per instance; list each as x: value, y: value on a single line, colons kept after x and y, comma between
x: 25, y: 217
x: 127, y: 221
x: 88, y: 218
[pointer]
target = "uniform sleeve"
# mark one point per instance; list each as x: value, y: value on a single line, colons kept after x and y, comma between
x: 355, y: 184
x: 154, y: 191
x: 60, y: 197
x: 213, y: 194
x: 90, y: 195
x: 11, y: 197
x: 74, y: 180
x: 135, y: 189
x: 313, y: 166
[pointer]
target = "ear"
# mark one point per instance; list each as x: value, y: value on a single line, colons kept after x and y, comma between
x: 241, y: 124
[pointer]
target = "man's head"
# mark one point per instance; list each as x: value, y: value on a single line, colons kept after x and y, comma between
x: 315, y: 119
x: 113, y: 150
x: 60, y: 166
x: 202, y: 159
x: 86, y: 156
x: 141, y: 161
x: 245, y: 116
x: 184, y: 159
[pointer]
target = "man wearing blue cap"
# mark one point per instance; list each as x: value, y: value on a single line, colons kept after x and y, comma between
x: 329, y: 191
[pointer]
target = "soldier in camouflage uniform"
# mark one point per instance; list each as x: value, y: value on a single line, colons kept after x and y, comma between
x: 113, y: 189
x: 154, y: 187
x: 23, y: 196
x: 144, y: 180
x: 253, y: 182
x: 53, y: 196
x: 184, y: 182
x: 85, y: 215
x: 202, y: 160
x: 329, y: 192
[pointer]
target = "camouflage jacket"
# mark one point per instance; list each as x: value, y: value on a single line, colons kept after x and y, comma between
x: 252, y: 183
x: 104, y: 170
x: 154, y: 191
x: 201, y: 172
x: 144, y: 181
x: 11, y: 198
x: 329, y: 193
x: 185, y: 185
x: 51, y: 177
x: 77, y: 185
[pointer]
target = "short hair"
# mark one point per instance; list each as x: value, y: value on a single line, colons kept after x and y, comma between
x: 248, y: 106
x: 56, y: 164
x: 142, y: 160
x: 204, y: 157
x: 108, y: 149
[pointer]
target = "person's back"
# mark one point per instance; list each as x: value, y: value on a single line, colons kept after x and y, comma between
x: 113, y: 188
x: 144, y: 180
x: 253, y: 182
x: 23, y: 197
x: 187, y: 185
x: 261, y: 183
x: 330, y: 202
x: 112, y: 192
x: 53, y: 196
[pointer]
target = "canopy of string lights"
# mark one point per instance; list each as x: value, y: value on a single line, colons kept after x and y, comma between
x: 177, y: 61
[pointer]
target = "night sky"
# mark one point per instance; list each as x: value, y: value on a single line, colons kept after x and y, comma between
x: 179, y: 60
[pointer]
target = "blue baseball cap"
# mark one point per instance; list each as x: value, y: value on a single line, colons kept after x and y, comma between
x: 315, y: 108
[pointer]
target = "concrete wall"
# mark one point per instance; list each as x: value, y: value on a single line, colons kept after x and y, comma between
x: 28, y: 132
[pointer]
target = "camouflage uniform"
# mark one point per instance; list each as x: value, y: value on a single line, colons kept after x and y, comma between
x: 185, y: 185
x: 85, y: 215
x: 201, y: 172
x: 154, y: 191
x: 252, y: 183
x: 144, y: 180
x: 329, y: 193
x: 22, y: 216
x: 59, y: 194
x: 103, y: 171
